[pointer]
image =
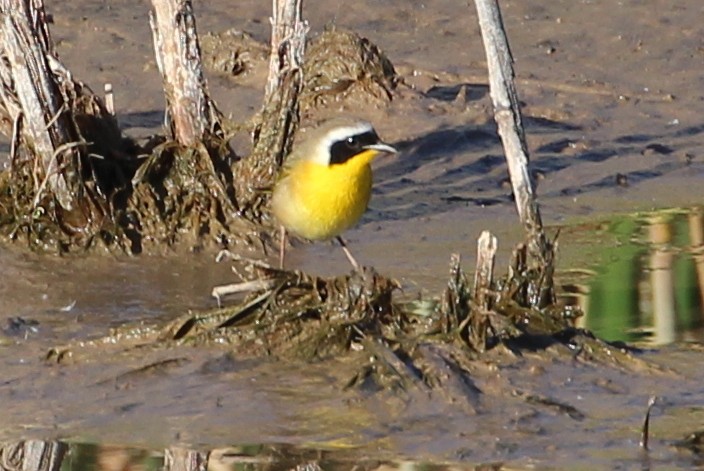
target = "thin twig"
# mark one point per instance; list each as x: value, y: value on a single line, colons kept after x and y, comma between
x: 55, y: 117
x: 645, y: 432
x: 14, y: 145
x: 221, y: 291
x: 54, y: 170
x: 226, y: 254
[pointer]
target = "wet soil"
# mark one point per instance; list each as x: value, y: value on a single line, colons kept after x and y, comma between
x: 613, y: 105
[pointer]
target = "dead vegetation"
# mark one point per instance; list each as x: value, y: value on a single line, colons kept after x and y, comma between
x: 431, y: 343
x: 189, y: 186
x: 342, y: 66
x: 81, y: 184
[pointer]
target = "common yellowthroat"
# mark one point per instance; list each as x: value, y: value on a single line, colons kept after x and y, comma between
x: 326, y: 182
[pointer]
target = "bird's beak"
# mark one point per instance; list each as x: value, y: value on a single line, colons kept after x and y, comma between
x: 381, y: 147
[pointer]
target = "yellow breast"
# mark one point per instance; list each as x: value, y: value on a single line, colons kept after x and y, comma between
x: 320, y: 202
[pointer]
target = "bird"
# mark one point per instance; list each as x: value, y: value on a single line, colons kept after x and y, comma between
x: 325, y: 183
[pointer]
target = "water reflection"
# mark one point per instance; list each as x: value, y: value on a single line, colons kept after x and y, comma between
x: 650, y: 285
x: 38, y: 455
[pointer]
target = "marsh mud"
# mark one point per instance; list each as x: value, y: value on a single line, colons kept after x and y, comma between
x: 613, y: 108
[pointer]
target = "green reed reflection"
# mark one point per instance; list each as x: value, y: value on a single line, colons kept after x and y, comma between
x: 650, y: 285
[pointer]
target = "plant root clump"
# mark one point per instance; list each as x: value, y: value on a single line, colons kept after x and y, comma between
x: 185, y: 194
x: 342, y: 66
x: 28, y: 209
x: 299, y: 316
x: 423, y: 346
x: 339, y: 67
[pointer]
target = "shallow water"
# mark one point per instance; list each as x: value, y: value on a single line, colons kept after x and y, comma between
x: 650, y: 286
x: 612, y: 104
x: 534, y: 410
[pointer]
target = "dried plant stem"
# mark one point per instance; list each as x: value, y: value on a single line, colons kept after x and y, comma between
x: 191, y: 112
x: 288, y: 34
x: 508, y: 118
x: 221, y: 291
x: 273, y: 135
x: 29, y: 88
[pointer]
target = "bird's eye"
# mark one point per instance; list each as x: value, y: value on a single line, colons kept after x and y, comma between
x: 353, y: 142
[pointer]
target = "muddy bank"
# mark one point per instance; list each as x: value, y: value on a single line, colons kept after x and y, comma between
x: 204, y: 399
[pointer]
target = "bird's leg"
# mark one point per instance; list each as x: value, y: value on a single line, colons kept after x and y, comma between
x: 282, y: 247
x: 349, y: 254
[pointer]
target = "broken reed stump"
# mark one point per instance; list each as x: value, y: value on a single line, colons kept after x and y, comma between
x: 185, y: 459
x: 529, y: 284
x: 486, y: 253
x: 63, y: 139
x: 279, y: 116
x: 507, y: 115
x: 33, y: 455
x: 74, y: 175
x: 478, y: 323
x: 75, y: 179
x: 191, y: 113
x: 184, y: 191
x: 39, y: 112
